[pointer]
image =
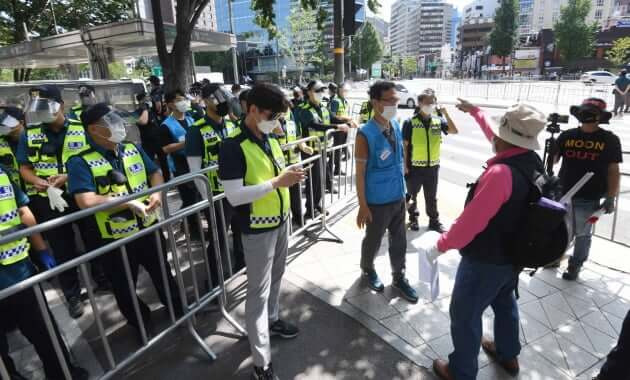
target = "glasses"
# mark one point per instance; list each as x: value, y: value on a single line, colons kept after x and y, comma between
x: 390, y: 101
x: 320, y: 90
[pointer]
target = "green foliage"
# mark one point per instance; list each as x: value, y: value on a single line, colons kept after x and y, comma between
x: 217, y: 60
x: 504, y: 34
x: 619, y: 54
x: 367, y: 47
x: 303, y: 41
x: 574, y: 37
x: 409, y: 65
x: 118, y: 70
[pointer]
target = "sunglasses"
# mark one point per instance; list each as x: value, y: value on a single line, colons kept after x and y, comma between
x: 320, y: 90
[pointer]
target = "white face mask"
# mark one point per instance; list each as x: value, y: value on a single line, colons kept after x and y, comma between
x: 267, y: 126
x: 182, y: 106
x: 389, y: 112
x: 318, y: 96
x: 427, y: 109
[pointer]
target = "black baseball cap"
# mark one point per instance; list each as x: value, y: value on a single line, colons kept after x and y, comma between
x: 14, y: 112
x: 315, y: 85
x: 86, y: 90
x: 94, y: 113
x: 209, y: 89
x: 48, y: 91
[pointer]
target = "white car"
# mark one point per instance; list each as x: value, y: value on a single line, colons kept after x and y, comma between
x: 407, y: 98
x: 598, y: 77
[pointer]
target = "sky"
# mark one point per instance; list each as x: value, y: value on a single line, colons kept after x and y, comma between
x: 386, y: 5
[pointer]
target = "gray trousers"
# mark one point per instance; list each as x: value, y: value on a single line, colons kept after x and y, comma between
x: 266, y: 258
x: 390, y: 217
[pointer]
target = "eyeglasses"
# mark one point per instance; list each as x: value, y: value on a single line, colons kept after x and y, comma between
x: 390, y: 101
x: 320, y: 90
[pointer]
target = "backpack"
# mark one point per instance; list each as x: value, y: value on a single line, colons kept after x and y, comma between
x: 543, y: 236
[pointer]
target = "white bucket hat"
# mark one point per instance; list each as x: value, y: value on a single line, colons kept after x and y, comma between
x: 520, y: 126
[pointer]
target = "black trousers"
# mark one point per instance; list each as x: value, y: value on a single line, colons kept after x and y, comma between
x: 62, y: 241
x: 230, y: 220
x: 21, y: 310
x: 295, y: 192
x: 616, y: 366
x: 314, y: 178
x: 142, y: 251
x: 339, y: 138
x: 189, y: 195
x: 427, y: 180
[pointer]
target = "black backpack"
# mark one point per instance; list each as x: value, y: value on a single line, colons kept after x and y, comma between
x: 542, y: 236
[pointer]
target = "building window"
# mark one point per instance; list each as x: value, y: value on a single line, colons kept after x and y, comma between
x: 600, y: 3
x: 598, y: 14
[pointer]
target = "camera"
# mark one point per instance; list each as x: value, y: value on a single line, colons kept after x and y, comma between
x: 555, y: 119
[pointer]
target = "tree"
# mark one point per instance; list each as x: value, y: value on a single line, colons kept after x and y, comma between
x: 504, y: 34
x: 302, y: 39
x: 574, y: 37
x: 409, y: 65
x: 176, y: 63
x: 619, y: 54
x: 367, y: 47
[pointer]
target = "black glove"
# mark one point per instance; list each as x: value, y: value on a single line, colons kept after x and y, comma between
x: 608, y: 205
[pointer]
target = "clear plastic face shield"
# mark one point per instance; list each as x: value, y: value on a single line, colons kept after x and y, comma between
x: 41, y: 111
x: 220, y: 98
x: 116, y: 126
x: 7, y: 123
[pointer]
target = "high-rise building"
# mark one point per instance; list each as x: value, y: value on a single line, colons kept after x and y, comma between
x: 545, y: 13
x: 403, y: 35
x: 480, y: 9
x: 207, y: 20
x: 434, y: 21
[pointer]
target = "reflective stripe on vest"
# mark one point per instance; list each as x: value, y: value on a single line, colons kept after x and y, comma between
x: 9, y: 219
x: 366, y: 112
x: 342, y: 109
x: 9, y: 162
x: 425, y: 142
x: 290, y: 134
x: 77, y: 110
x: 272, y: 209
x: 324, y: 119
x: 211, y: 146
x: 119, y: 224
x: 46, y: 166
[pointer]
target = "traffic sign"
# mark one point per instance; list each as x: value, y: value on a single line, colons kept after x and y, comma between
x: 156, y: 70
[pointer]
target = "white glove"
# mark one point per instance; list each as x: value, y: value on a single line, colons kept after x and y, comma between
x: 55, y: 199
x: 138, y: 208
x: 428, y: 243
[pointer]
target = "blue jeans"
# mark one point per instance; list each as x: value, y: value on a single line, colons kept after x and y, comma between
x: 477, y: 286
x: 582, y: 210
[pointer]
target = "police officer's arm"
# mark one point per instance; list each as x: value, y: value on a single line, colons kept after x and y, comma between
x: 452, y: 129
x: 614, y: 178
x: 143, y: 119
x: 28, y: 219
x: 173, y: 147
x: 361, y: 153
x: 27, y: 172
x: 406, y: 132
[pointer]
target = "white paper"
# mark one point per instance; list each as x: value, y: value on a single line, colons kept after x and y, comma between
x: 429, y: 272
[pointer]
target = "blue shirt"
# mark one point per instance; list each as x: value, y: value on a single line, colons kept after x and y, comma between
x: 80, y: 178
x: 55, y: 138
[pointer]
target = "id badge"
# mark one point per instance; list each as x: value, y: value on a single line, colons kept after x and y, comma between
x: 385, y: 153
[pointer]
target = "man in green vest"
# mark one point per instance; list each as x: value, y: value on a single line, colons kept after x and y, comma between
x: 48, y: 142
x: 112, y: 168
x: 11, y: 127
x: 87, y: 97
x: 252, y: 169
x: 315, y: 121
x: 21, y: 309
x: 203, y: 143
x: 340, y: 113
x: 422, y: 138
x: 366, y: 112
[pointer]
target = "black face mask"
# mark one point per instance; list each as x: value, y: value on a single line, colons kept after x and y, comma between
x: 223, y: 109
x: 587, y: 117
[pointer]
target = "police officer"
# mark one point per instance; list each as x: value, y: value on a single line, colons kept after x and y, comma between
x: 203, y: 142
x: 339, y: 113
x: 48, y: 142
x: 366, y: 112
x: 315, y: 121
x: 109, y: 169
x: 252, y: 169
x: 87, y: 97
x: 21, y: 309
x: 422, y: 138
x: 11, y: 126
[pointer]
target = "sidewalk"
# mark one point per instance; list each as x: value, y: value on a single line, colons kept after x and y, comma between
x: 567, y: 328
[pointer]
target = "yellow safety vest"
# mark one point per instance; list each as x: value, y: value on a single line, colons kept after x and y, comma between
x: 9, y: 162
x: 119, y: 224
x: 10, y: 222
x: 290, y: 135
x: 342, y: 109
x: 366, y: 112
x: 77, y: 110
x: 425, y: 142
x: 324, y: 119
x: 46, y: 165
x: 271, y: 210
x: 211, y: 146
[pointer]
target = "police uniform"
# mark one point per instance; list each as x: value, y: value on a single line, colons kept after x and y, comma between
x: 204, y: 140
x: 338, y: 107
x: 92, y: 171
x: 264, y: 231
x: 291, y: 156
x: 75, y: 112
x: 47, y: 152
x: 366, y: 112
x: 424, y: 136
x: 21, y: 309
x: 315, y: 121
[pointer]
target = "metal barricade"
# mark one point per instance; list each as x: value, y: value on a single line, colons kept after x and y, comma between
x: 201, y: 298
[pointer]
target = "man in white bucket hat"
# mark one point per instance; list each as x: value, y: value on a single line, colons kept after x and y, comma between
x: 485, y: 276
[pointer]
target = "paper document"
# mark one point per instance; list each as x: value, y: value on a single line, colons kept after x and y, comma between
x: 429, y: 270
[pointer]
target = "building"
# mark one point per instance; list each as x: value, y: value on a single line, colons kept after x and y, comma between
x: 207, y: 20
x: 403, y: 28
x: 525, y: 15
x: 545, y: 13
x: 434, y: 21
x: 480, y: 9
x: 472, y: 44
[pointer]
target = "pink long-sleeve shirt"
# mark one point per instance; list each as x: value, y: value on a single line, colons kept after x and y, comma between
x: 493, y: 190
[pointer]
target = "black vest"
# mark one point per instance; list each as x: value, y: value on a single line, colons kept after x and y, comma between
x: 489, y: 245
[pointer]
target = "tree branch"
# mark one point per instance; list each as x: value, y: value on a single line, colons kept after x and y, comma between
x: 160, y: 35
x: 198, y: 10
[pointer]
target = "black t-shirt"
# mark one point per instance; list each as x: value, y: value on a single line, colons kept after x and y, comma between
x: 583, y: 152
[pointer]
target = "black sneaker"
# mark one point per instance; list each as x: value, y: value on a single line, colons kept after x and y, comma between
x: 75, y: 307
x: 406, y: 291
x: 283, y: 329
x: 413, y: 225
x: 571, y: 274
x: 374, y: 282
x: 436, y: 226
x: 264, y: 374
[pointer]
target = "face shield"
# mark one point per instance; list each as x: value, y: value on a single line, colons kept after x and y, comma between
x: 41, y: 111
x: 220, y: 98
x: 7, y: 123
x: 116, y: 126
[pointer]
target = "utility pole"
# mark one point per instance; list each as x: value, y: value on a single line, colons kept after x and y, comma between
x: 338, y: 40
x: 234, y: 59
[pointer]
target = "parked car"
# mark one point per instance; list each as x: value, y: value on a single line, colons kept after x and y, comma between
x: 407, y: 98
x: 598, y: 77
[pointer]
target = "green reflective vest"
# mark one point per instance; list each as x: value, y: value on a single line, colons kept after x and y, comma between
x: 366, y: 112
x: 10, y: 222
x: 342, y: 108
x: 117, y: 224
x: 47, y: 165
x: 263, y: 164
x: 211, y: 146
x: 425, y: 142
x: 290, y: 134
x: 77, y: 110
x: 324, y: 119
x: 9, y: 162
